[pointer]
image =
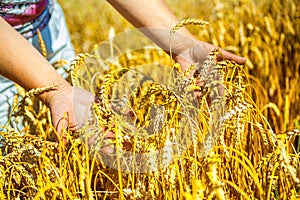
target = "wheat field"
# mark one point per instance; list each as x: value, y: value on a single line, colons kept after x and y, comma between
x: 242, y: 145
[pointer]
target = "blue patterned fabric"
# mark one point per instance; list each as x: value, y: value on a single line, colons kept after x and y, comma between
x: 26, y: 16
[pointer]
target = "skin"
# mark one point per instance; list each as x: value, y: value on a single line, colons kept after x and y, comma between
x: 23, y: 64
x: 158, y: 15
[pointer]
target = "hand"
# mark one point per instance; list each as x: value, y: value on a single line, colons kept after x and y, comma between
x: 69, y: 108
x: 198, y: 51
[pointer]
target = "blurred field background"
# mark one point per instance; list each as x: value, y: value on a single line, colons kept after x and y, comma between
x: 256, y: 155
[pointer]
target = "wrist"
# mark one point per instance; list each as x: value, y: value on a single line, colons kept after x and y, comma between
x: 48, y: 97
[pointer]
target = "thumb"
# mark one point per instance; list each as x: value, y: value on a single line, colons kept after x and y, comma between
x: 82, y: 100
x: 229, y: 56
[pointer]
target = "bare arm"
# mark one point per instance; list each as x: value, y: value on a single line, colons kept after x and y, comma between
x: 155, y: 13
x: 145, y: 13
x: 154, y: 19
x: 23, y: 64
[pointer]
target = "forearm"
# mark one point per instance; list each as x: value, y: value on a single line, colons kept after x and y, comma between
x: 23, y: 64
x: 145, y: 13
x: 155, y: 20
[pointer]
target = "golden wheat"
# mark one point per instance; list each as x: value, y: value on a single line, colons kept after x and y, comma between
x: 250, y: 155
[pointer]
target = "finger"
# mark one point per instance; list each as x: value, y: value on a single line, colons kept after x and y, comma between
x: 63, y: 126
x: 197, y: 94
x: 229, y: 56
x: 107, y: 149
x: 109, y: 134
x: 61, y: 129
x: 201, y: 83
